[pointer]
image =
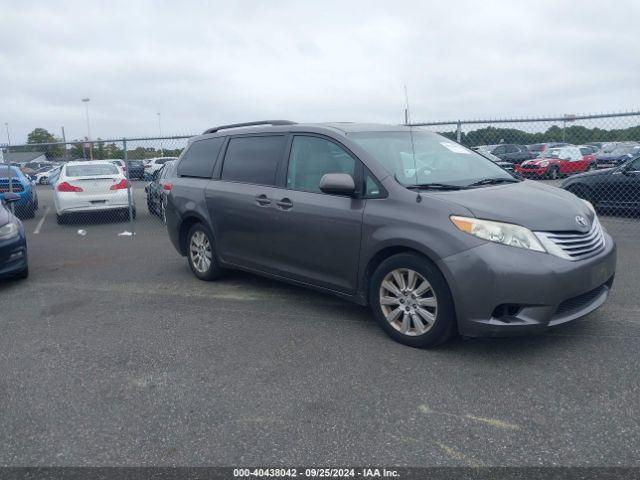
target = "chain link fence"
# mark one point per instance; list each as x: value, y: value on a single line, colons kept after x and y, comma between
x: 597, y: 157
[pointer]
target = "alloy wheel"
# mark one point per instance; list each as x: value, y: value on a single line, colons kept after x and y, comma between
x: 200, y: 251
x: 408, y: 302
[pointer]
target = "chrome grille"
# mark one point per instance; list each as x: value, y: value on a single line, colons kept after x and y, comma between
x: 575, y: 245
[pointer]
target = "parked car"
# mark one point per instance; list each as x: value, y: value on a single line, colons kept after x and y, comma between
x: 588, y: 150
x: 93, y: 186
x: 508, y: 166
x: 538, y: 148
x: 557, y: 162
x: 510, y: 152
x: 13, y: 241
x: 27, y: 205
x: 154, y: 164
x: 619, y: 155
x: 615, y: 188
x: 434, y: 237
x: 31, y: 167
x: 158, y: 189
x: 134, y: 169
x: 43, y: 175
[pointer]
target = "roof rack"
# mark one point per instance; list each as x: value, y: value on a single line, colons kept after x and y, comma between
x: 249, y: 124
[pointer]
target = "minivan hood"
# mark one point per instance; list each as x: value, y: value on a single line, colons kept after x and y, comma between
x: 528, y: 203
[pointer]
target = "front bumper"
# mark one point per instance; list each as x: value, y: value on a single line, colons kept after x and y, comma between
x: 501, y: 291
x: 532, y: 172
x: 13, y: 256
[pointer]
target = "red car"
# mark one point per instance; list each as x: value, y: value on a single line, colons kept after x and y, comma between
x: 557, y: 162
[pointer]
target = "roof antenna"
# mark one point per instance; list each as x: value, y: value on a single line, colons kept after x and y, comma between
x: 407, y: 121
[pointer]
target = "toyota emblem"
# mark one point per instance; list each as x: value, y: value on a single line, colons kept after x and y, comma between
x: 580, y: 220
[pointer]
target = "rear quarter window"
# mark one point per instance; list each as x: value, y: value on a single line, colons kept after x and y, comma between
x: 199, y: 159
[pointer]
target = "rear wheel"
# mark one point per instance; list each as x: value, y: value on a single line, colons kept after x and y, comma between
x: 411, y: 301
x: 201, y: 254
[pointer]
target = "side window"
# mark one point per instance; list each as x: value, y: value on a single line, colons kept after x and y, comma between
x: 634, y: 166
x: 511, y: 149
x: 198, y: 161
x: 253, y: 159
x: 372, y: 188
x: 311, y: 158
x: 498, y: 150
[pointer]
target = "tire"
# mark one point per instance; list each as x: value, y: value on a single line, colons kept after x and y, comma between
x: 42, y: 181
x: 151, y: 208
x: 163, y: 210
x: 553, y: 173
x: 591, y: 167
x: 199, y: 241
x: 426, y: 325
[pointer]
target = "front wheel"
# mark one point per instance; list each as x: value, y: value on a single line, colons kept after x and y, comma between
x: 43, y: 181
x: 411, y: 301
x: 201, y: 254
x: 554, y: 173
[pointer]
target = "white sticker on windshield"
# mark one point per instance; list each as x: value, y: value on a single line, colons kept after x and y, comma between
x: 454, y: 147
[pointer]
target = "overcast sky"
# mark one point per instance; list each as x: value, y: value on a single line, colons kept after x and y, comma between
x: 205, y: 63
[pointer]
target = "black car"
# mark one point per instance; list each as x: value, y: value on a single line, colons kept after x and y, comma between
x: 158, y: 189
x: 13, y: 242
x: 513, y: 153
x: 619, y: 155
x: 615, y: 189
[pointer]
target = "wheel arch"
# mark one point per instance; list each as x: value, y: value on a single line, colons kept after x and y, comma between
x: 187, y: 222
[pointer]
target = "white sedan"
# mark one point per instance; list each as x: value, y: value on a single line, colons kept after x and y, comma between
x: 43, y: 177
x: 95, y: 186
x: 154, y: 164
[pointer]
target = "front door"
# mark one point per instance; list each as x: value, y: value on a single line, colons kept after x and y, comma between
x: 319, y: 234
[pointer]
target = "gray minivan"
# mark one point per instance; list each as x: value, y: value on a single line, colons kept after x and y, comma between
x: 436, y: 238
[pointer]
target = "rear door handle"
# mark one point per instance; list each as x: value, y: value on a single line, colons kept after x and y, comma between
x: 262, y: 200
x: 285, y: 204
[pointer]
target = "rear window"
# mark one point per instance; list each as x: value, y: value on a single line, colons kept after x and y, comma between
x: 199, y: 159
x: 253, y: 159
x: 91, y: 170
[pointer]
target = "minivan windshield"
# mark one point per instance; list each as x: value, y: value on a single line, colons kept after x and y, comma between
x: 424, y: 158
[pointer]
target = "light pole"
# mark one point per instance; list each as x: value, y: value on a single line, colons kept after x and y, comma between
x: 86, y: 104
x: 6, y: 125
x: 160, y: 133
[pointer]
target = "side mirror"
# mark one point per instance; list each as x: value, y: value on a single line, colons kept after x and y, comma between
x: 337, y: 184
x: 10, y: 197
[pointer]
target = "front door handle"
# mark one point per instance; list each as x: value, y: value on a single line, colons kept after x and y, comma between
x: 285, y: 204
x: 262, y: 200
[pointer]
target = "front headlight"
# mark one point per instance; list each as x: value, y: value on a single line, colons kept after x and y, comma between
x: 504, y: 233
x: 544, y: 163
x: 8, y: 231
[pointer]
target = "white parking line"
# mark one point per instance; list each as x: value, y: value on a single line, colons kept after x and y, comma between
x: 39, y: 226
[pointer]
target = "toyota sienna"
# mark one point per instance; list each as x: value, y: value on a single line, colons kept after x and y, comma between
x: 436, y: 238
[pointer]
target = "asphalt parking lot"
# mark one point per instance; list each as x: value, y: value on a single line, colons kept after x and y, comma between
x: 112, y: 353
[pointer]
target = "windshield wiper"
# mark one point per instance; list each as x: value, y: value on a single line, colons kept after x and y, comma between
x: 434, y: 186
x: 493, y: 181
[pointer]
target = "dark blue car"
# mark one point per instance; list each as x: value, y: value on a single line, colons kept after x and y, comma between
x: 618, y: 156
x: 27, y: 203
x: 13, y: 242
